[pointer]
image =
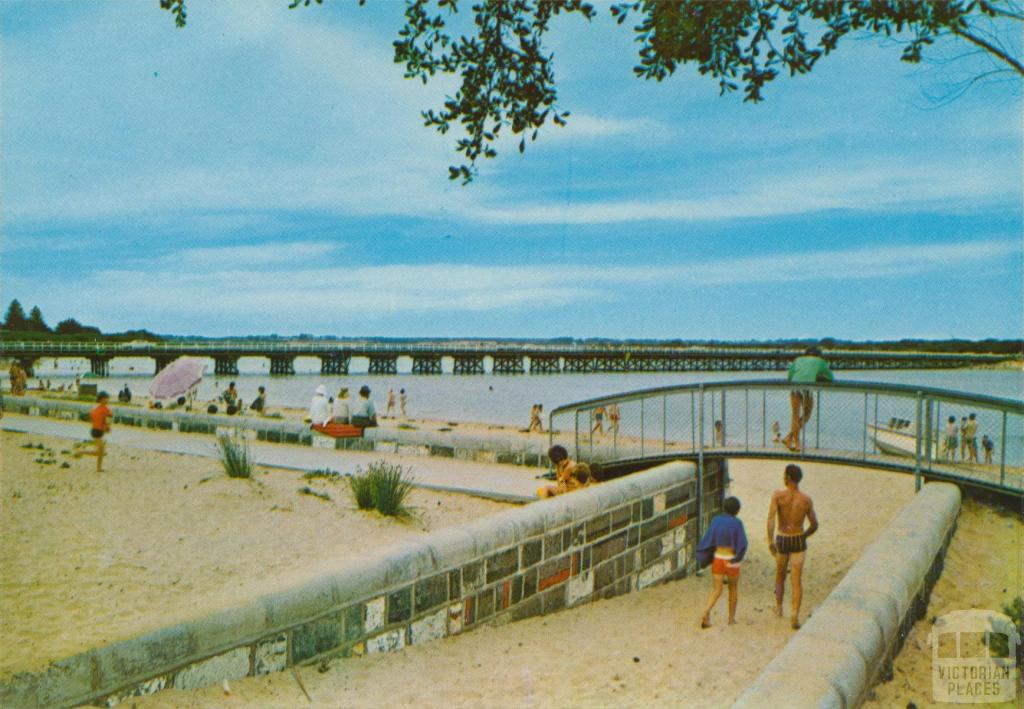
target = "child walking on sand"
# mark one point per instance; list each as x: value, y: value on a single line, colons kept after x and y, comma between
x: 723, y: 547
x: 100, y: 418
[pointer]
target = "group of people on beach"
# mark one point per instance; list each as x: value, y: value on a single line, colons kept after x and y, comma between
x: 536, y: 419
x: 966, y: 434
x: 341, y: 409
x: 611, y: 411
x: 724, y: 546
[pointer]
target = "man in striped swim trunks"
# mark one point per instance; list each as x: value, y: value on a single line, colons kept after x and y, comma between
x: 789, y: 544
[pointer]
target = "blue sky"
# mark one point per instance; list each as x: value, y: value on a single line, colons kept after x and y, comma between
x: 266, y: 170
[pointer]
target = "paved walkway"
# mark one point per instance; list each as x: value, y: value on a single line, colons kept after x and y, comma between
x: 503, y: 482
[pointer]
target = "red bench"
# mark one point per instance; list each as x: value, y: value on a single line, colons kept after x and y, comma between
x: 338, y: 430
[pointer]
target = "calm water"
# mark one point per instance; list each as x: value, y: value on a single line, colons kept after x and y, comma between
x: 494, y: 399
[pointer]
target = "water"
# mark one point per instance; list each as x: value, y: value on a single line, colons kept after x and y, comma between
x: 489, y: 398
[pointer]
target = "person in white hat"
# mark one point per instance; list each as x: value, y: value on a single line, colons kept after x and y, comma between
x: 319, y: 412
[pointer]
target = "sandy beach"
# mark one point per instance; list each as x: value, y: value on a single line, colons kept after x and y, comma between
x: 583, y: 656
x: 87, y: 559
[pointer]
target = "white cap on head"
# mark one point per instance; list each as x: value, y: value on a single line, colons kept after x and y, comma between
x: 321, y: 390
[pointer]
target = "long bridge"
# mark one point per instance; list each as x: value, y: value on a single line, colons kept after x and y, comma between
x: 475, y: 357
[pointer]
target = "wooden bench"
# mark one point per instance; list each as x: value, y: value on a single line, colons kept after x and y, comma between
x: 338, y: 430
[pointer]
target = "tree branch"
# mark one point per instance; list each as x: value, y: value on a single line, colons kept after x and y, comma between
x: 991, y: 49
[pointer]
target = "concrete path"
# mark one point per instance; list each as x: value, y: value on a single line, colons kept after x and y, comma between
x: 503, y: 482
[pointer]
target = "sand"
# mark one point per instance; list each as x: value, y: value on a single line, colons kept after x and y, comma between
x: 984, y: 569
x: 87, y: 558
x: 635, y: 650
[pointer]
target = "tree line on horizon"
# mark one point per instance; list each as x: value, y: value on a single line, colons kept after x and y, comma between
x: 34, y: 326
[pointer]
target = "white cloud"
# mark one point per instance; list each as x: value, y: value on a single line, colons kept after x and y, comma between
x: 219, y: 293
x: 863, y: 187
x: 277, y: 254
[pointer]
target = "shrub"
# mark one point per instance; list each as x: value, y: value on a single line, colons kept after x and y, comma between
x: 359, y: 485
x: 384, y: 487
x: 235, y: 457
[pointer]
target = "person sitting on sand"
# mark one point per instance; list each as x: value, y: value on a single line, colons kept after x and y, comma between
x: 342, y: 410
x: 806, y: 369
x: 364, y: 415
x: 569, y: 475
x: 723, y: 547
x: 318, y: 410
x: 791, y: 507
x: 260, y: 402
x: 776, y: 432
x: 230, y: 395
x: 100, y: 418
x: 125, y: 395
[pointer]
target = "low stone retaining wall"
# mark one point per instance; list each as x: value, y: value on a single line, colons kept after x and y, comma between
x: 850, y: 641
x: 501, y: 448
x: 609, y: 539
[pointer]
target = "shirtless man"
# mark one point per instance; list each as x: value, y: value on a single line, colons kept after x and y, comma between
x: 790, y: 543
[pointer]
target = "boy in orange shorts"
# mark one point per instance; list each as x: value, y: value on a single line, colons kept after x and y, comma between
x: 723, y: 546
x: 100, y: 417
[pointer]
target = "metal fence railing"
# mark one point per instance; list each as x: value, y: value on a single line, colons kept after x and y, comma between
x: 910, y: 429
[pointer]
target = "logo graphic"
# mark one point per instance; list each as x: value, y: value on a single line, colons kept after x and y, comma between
x: 974, y: 656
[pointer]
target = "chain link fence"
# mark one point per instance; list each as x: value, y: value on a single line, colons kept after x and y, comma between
x: 972, y: 439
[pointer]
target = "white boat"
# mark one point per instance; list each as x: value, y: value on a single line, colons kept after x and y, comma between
x: 898, y: 438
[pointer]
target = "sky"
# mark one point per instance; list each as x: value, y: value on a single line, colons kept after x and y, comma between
x: 266, y: 170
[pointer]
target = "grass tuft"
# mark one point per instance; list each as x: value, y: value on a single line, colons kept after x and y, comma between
x: 384, y: 487
x: 324, y: 473
x: 307, y: 490
x: 235, y: 457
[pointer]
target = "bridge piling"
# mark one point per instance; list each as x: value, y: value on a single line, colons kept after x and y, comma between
x: 469, y: 364
x: 280, y: 365
x: 508, y: 364
x: 334, y: 363
x: 225, y: 365
x: 426, y: 364
x: 100, y: 366
x: 383, y: 364
x: 540, y: 364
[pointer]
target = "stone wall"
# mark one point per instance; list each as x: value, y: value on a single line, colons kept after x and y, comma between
x: 606, y: 540
x: 849, y: 643
x: 497, y: 448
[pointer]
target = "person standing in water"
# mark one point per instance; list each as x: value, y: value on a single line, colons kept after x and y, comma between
x: 789, y: 545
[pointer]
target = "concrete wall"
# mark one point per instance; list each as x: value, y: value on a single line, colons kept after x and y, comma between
x: 849, y: 642
x: 497, y: 448
x: 599, y: 542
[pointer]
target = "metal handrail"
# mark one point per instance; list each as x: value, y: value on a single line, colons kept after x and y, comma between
x: 845, y: 416
x: 960, y: 397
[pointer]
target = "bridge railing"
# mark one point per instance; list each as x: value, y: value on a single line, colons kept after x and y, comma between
x: 879, y: 425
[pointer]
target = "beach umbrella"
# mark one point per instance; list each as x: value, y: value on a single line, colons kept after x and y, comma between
x: 177, y: 378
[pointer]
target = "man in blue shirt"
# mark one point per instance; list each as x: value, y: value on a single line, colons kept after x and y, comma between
x: 723, y: 546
